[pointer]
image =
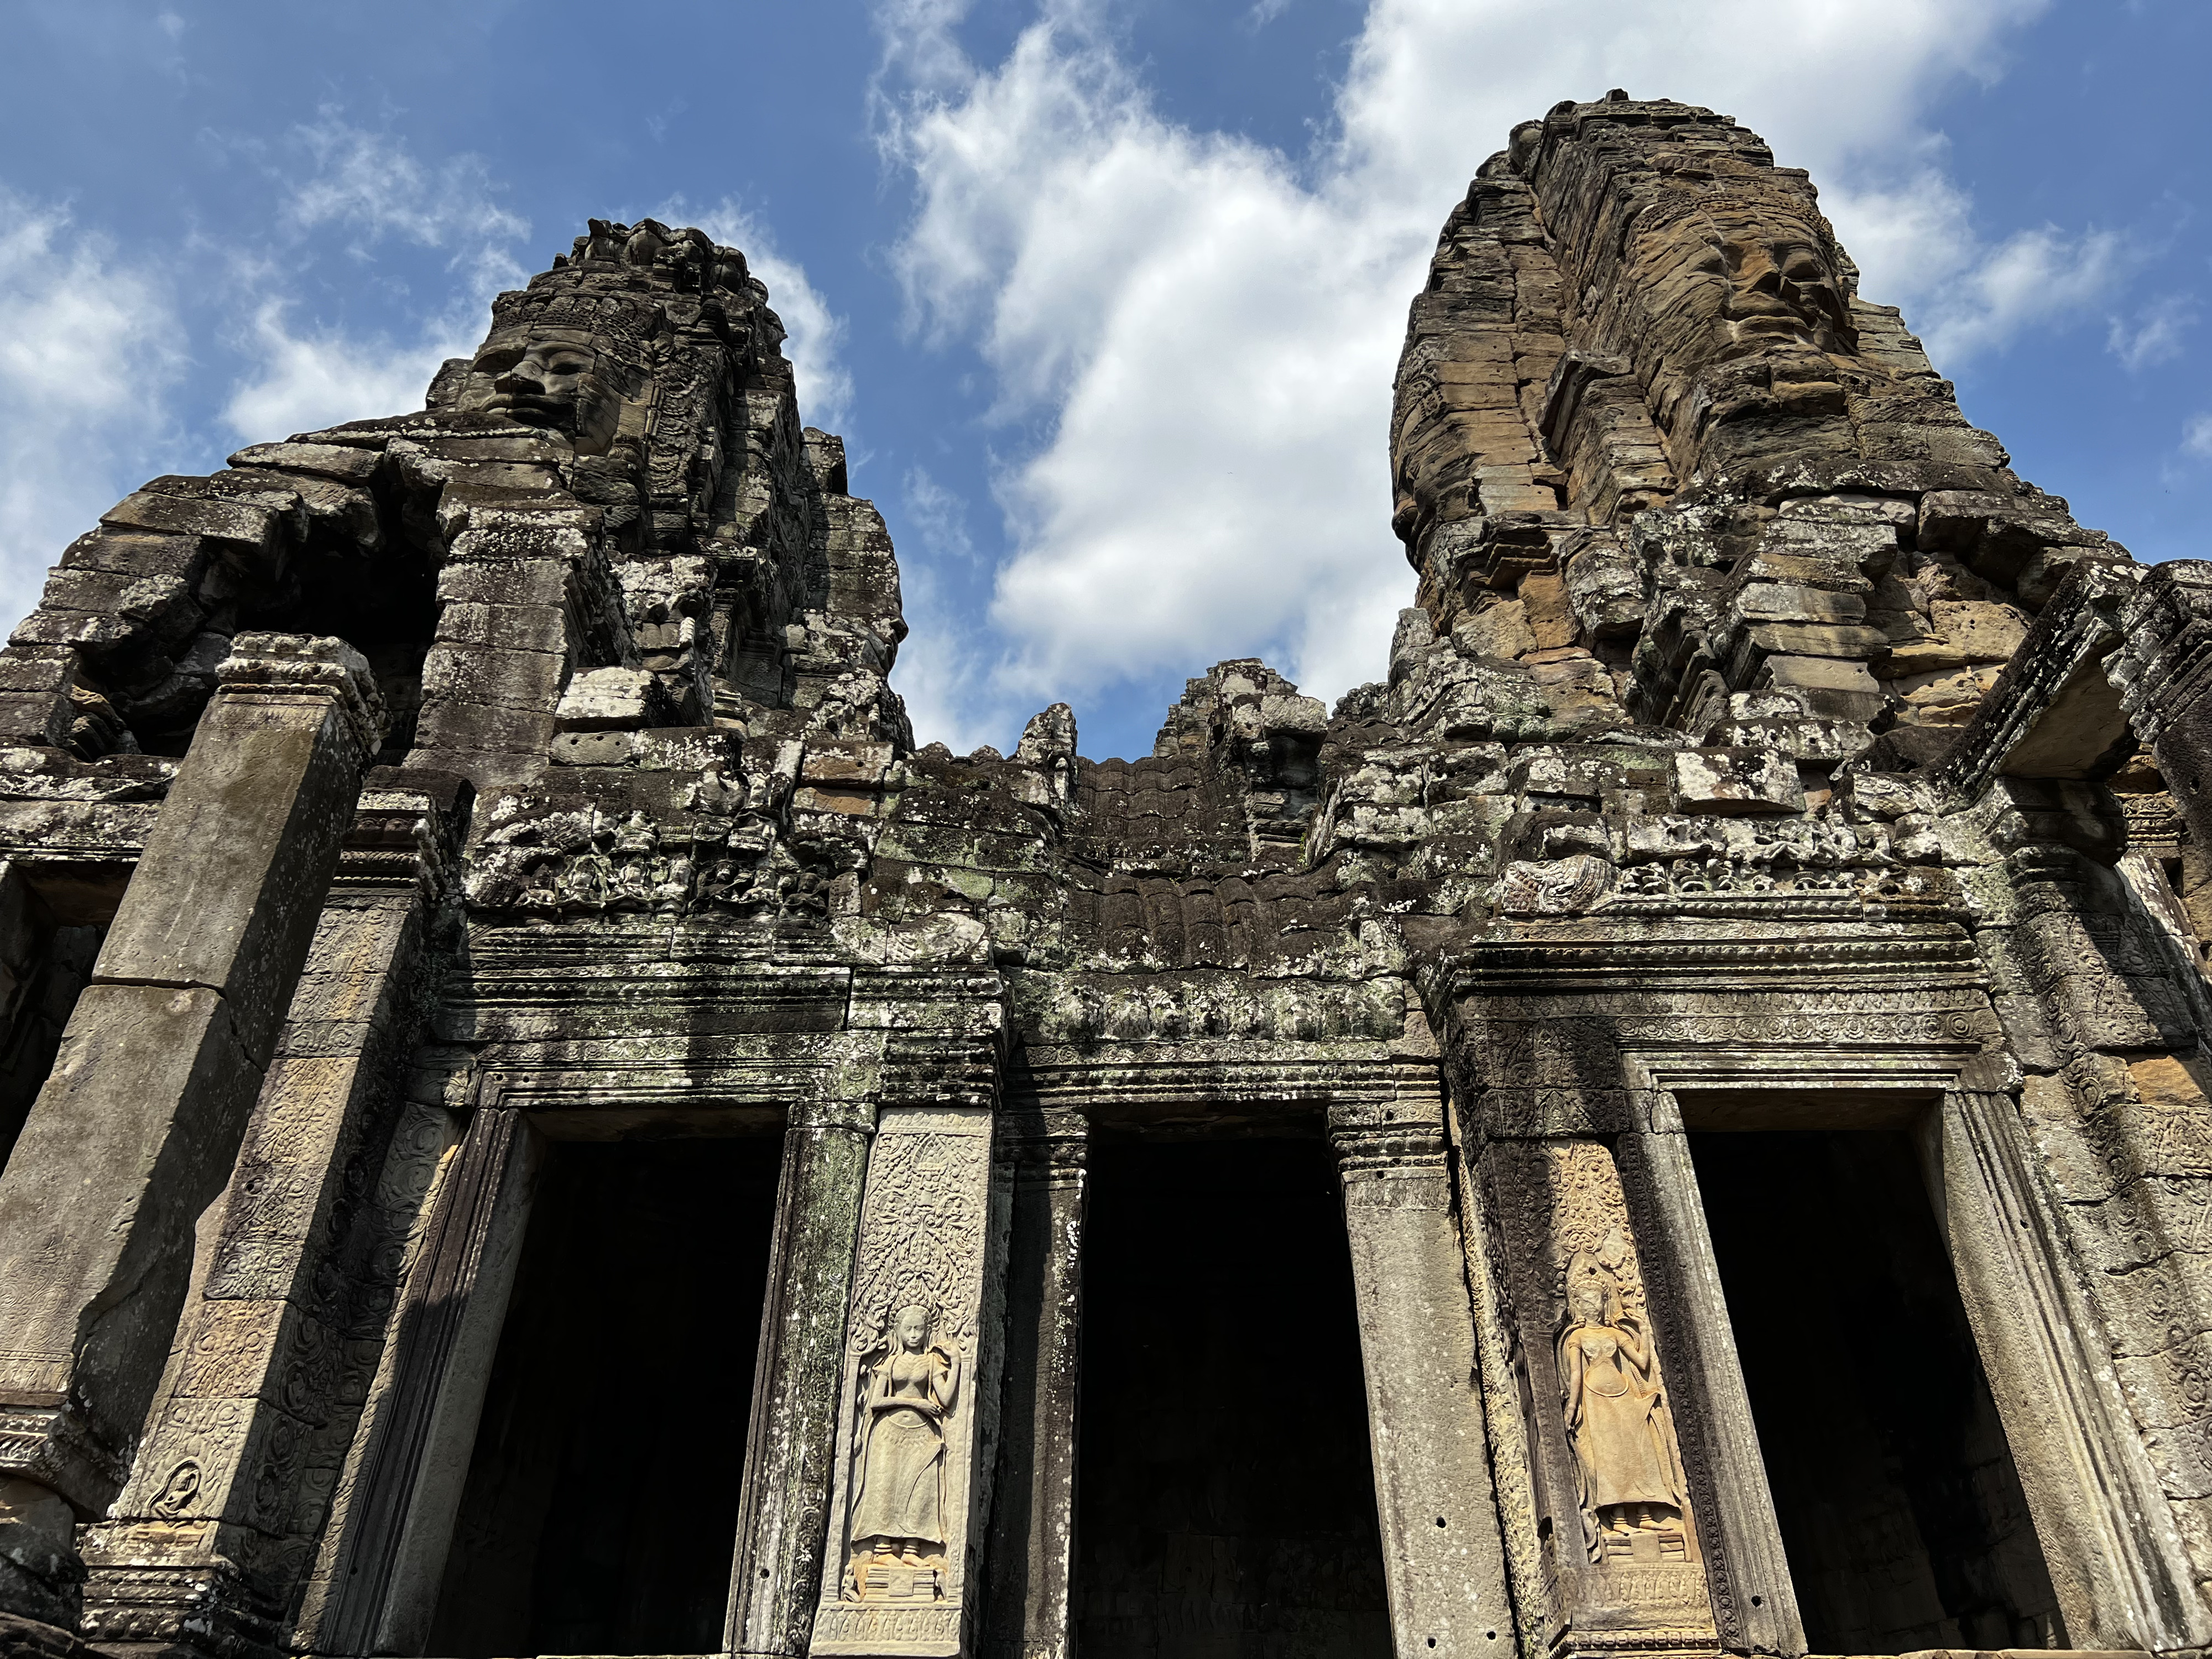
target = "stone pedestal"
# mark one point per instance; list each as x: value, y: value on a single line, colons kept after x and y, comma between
x: 134, y: 1132
x: 1047, y: 1156
x: 1441, y: 1556
x: 919, y: 1393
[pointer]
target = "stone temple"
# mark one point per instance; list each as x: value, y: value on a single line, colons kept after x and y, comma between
x: 539, y: 1121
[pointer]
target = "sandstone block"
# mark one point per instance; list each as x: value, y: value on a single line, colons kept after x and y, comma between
x: 1497, y: 630
x: 516, y: 679
x: 1731, y: 783
x: 1817, y: 640
x: 1982, y: 631
x: 594, y: 749
x: 610, y: 699
x: 1780, y: 602
x: 1551, y: 619
x: 339, y: 462
x: 1831, y: 688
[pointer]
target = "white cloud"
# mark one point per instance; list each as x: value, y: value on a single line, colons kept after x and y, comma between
x: 2155, y: 335
x: 2196, y: 436
x: 1206, y: 328
x: 937, y: 516
x: 308, y: 381
x: 2030, y: 279
x: 816, y: 344
x: 374, y: 185
x: 371, y: 185
x: 90, y: 348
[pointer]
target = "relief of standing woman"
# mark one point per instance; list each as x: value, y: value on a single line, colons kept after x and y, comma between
x: 898, y: 1505
x: 1630, y: 1474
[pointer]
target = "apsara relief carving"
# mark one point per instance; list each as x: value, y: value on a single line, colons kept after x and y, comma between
x: 1630, y: 1465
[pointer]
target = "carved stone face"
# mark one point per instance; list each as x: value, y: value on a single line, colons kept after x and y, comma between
x: 912, y: 1329
x: 1586, y: 1301
x: 555, y: 382
x: 1757, y: 284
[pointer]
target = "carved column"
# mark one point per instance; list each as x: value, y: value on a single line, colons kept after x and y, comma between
x: 215, y: 1530
x: 133, y: 1134
x: 1754, y: 1598
x: 2076, y: 1226
x: 2116, y: 1560
x: 918, y: 1392
x: 1046, y: 1153
x: 375, y: 1584
x: 1621, y: 1564
x: 1443, y: 1556
x: 776, y: 1578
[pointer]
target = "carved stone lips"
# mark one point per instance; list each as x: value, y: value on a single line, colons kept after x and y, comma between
x: 532, y: 408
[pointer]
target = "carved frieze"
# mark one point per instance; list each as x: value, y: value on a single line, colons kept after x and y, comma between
x: 735, y: 851
x: 1195, y: 1007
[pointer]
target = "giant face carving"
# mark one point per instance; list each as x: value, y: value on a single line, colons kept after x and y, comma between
x: 1753, y: 284
x: 556, y: 382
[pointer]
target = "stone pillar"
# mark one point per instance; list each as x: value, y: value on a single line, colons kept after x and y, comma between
x: 1443, y: 1559
x: 2116, y: 1560
x: 2164, y: 670
x: 1574, y: 1280
x: 375, y: 1584
x: 522, y: 590
x: 133, y: 1134
x: 1047, y: 1154
x: 219, y: 1521
x: 1754, y: 1596
x: 900, y: 1576
x: 776, y: 1579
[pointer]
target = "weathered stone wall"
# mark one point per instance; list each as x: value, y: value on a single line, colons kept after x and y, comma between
x: 1761, y: 754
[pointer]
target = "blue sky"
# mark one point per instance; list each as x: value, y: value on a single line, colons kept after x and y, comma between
x: 1105, y: 297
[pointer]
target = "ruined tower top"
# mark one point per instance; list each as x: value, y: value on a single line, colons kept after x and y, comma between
x: 1640, y: 342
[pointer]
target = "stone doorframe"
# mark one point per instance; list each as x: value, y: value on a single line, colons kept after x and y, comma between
x: 384, y: 1552
x: 2089, y: 1481
x: 1382, y: 1105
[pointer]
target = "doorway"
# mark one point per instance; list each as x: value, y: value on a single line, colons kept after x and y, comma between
x: 1226, y: 1497
x: 1899, y: 1506
x: 601, y: 1505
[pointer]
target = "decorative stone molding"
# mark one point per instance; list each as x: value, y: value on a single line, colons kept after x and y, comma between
x: 294, y: 662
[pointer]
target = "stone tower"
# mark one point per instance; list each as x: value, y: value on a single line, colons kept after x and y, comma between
x: 537, y: 1121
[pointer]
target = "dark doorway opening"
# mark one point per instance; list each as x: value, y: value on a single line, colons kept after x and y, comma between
x: 601, y: 1505
x: 1226, y: 1498
x: 1900, y: 1509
